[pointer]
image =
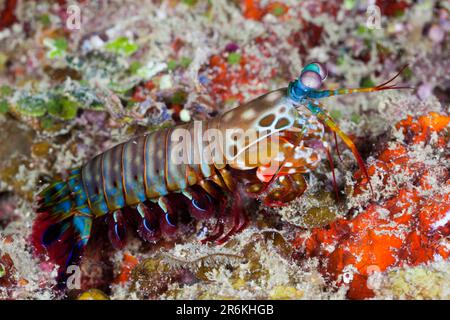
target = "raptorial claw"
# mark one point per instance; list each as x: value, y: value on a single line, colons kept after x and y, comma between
x: 285, y: 189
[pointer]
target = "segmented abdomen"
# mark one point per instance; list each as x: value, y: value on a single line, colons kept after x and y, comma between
x: 142, y: 168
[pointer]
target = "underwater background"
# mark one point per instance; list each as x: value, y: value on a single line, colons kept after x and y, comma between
x: 78, y: 77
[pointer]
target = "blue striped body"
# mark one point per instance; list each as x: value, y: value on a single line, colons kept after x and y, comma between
x: 140, y: 169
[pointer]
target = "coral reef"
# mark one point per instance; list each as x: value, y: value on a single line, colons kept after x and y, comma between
x: 422, y: 282
x: 409, y: 223
x: 68, y: 92
x: 255, y: 264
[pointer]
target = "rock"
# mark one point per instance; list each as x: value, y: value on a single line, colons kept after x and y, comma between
x: 407, y: 226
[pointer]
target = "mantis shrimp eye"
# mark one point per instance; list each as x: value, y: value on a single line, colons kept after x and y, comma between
x: 311, y: 79
x: 318, y: 68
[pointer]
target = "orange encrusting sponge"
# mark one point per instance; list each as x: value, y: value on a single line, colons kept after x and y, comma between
x: 408, y: 228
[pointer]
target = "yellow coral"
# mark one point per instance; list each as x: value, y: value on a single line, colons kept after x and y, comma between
x: 93, y: 294
x: 285, y: 293
x: 421, y: 282
x: 239, y: 283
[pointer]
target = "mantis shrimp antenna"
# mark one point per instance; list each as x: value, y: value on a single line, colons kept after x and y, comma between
x: 305, y: 89
x: 380, y: 87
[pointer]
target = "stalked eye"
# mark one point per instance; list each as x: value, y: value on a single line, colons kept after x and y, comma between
x: 318, y: 68
x: 311, y: 79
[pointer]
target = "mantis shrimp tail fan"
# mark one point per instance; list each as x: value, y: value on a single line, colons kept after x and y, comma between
x: 63, y: 226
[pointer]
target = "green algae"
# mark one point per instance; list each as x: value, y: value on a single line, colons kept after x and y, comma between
x: 122, y: 46
x: 62, y: 107
x: 32, y: 106
x: 56, y: 47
